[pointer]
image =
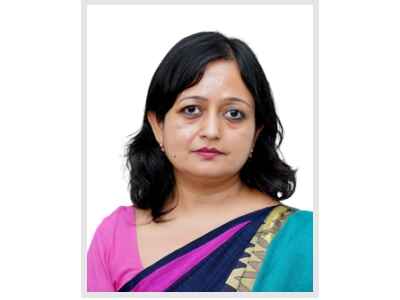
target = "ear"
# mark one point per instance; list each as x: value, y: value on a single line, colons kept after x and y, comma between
x: 156, y: 126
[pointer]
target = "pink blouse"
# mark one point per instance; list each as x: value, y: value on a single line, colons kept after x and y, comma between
x: 113, y: 256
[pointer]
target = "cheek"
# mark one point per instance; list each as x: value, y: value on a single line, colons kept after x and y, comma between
x: 181, y: 134
x: 241, y: 138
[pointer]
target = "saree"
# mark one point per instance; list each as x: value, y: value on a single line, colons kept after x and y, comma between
x: 269, y: 250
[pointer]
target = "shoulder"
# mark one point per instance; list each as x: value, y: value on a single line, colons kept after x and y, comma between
x: 288, y: 265
x: 112, y: 250
x: 291, y: 223
x: 296, y: 234
x: 300, y: 218
x: 293, y: 230
x: 115, y: 228
x: 123, y: 215
x: 299, y: 225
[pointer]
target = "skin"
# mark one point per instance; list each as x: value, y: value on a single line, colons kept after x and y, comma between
x: 218, y: 112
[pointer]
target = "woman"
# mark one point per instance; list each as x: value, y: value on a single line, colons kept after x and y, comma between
x: 206, y: 183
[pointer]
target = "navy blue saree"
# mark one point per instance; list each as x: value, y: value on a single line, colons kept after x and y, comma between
x: 266, y: 250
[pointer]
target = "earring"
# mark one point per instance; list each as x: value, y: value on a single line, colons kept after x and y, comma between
x: 251, y: 153
x: 162, y: 148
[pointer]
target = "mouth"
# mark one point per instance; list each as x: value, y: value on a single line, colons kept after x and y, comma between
x: 209, y: 150
x: 208, y: 153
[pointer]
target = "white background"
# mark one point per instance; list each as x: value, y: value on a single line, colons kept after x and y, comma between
x: 40, y: 191
x: 124, y: 52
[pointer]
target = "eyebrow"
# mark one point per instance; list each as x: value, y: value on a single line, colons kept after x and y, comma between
x: 224, y: 99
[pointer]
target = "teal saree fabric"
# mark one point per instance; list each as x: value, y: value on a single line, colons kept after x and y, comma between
x: 288, y: 265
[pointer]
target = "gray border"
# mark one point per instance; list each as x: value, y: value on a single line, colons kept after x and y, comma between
x: 201, y: 295
x: 230, y: 2
x: 84, y: 146
x: 84, y: 292
x: 316, y: 145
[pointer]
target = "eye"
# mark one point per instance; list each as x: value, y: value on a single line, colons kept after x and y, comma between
x: 191, y: 110
x: 234, y: 114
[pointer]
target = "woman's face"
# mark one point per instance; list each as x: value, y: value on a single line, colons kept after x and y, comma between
x: 217, y: 112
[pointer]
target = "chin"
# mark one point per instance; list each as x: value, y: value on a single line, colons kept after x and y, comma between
x: 212, y: 173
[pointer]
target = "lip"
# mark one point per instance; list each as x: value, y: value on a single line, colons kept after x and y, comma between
x: 208, y: 153
x: 209, y: 150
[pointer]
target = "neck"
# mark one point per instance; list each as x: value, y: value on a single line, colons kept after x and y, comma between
x: 193, y: 194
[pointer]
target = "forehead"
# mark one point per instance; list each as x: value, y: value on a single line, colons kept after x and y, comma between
x: 221, y: 81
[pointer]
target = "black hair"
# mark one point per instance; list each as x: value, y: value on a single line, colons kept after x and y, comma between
x: 151, y: 176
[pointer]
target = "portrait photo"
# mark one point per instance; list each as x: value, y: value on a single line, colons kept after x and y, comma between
x: 200, y: 156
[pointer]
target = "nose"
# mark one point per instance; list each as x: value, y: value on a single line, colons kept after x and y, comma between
x: 211, y: 127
